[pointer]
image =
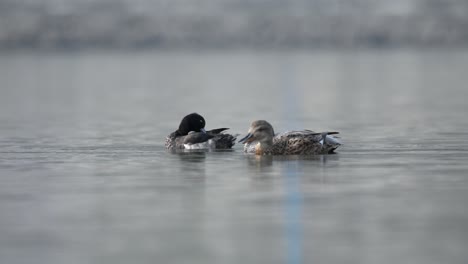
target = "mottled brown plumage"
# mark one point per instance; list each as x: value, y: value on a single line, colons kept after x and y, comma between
x: 261, y: 140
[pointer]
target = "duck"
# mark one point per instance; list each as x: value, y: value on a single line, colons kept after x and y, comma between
x: 191, y: 134
x: 261, y: 140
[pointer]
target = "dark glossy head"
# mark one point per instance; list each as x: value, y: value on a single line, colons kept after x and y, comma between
x: 192, y: 122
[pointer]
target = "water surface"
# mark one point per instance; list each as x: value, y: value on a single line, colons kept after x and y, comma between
x: 85, y: 178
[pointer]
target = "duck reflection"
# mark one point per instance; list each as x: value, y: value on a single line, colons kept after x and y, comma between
x: 262, y: 161
x: 270, y: 168
x: 258, y: 161
x: 193, y: 156
x: 192, y: 163
x: 319, y: 158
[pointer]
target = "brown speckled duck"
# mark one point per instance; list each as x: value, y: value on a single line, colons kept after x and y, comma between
x: 262, y: 140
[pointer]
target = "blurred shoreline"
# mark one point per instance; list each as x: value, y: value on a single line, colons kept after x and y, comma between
x: 244, y: 24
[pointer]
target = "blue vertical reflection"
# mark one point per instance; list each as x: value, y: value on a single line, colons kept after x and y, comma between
x: 293, y: 204
x: 293, y: 200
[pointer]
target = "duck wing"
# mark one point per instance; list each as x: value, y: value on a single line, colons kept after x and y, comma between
x: 305, y: 142
x: 216, y: 131
x: 196, y: 137
x: 303, y: 133
x: 296, y: 134
x: 223, y: 140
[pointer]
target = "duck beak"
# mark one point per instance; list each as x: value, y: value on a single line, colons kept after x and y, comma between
x: 247, y: 138
x: 203, y: 130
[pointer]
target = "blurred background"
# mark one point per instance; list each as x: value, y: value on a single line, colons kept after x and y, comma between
x: 71, y: 24
x: 89, y: 89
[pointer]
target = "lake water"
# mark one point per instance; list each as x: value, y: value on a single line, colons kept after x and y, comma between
x: 85, y: 178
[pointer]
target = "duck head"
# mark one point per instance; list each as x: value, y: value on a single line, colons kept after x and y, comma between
x: 261, y: 131
x: 192, y: 122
